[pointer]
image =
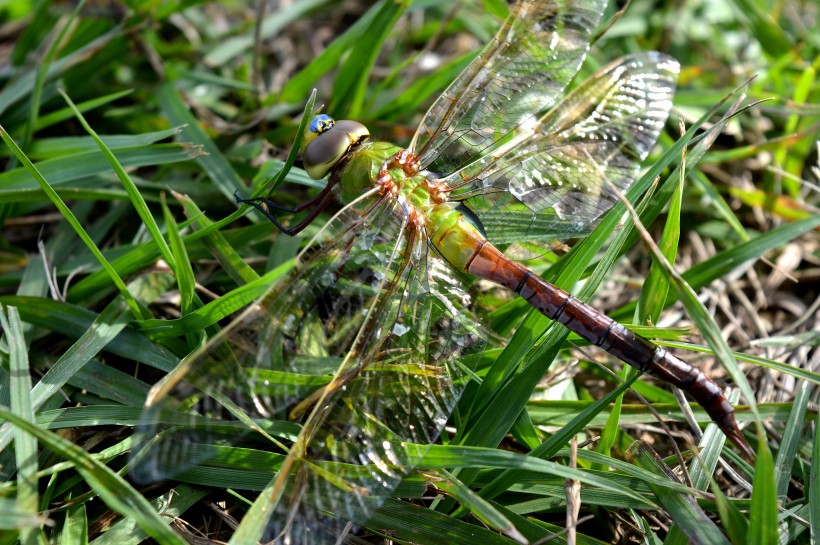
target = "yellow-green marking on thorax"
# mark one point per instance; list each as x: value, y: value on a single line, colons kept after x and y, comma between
x: 342, y: 149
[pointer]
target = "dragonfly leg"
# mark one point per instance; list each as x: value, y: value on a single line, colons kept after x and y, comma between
x: 263, y: 205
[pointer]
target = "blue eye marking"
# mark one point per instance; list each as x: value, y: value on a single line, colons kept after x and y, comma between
x: 321, y: 123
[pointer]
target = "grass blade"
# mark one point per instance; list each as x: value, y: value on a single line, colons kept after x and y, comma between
x: 683, y: 508
x: 105, y: 329
x: 763, y: 517
x: 111, y: 487
x: 72, y: 220
x: 133, y: 193
x: 25, y: 446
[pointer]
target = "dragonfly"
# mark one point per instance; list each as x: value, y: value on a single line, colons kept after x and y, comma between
x: 352, y: 364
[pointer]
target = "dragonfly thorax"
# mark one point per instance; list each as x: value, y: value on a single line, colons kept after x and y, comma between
x: 359, y: 174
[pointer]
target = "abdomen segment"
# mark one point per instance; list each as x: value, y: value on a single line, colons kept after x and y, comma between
x: 554, y: 303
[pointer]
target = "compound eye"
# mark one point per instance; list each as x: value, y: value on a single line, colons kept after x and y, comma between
x: 329, y: 147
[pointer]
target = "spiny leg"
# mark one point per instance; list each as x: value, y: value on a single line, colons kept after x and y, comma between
x: 319, y: 203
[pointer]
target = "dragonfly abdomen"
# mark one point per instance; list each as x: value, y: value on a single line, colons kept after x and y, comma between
x: 488, y: 262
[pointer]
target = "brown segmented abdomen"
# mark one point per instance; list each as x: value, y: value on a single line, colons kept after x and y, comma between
x: 554, y: 303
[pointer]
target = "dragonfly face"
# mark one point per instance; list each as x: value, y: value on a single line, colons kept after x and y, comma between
x: 328, y: 142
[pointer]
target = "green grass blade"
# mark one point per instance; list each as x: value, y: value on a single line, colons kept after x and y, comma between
x: 226, y: 50
x: 58, y: 116
x: 453, y: 456
x: 229, y: 259
x: 682, y: 507
x: 814, y: 487
x: 214, y: 311
x: 79, y: 166
x: 133, y: 193
x: 300, y: 84
x: 130, y: 260
x: 548, y: 448
x: 763, y: 519
x: 172, y: 505
x: 111, y: 487
x: 271, y: 185
x: 768, y: 32
x: 734, y: 521
x: 183, y: 271
x: 717, y: 202
x: 109, y: 383
x: 21, y: 87
x: 426, y: 527
x: 72, y: 220
x: 46, y: 148
x: 653, y: 293
x: 75, y: 526
x: 787, y: 454
x: 42, y: 70
x: 705, y: 272
x: 475, y: 504
x: 256, y: 520
x: 351, y: 83
x: 419, y: 92
x: 214, y: 163
x: 104, y: 330
x: 12, y: 518
x: 25, y: 446
x: 74, y: 322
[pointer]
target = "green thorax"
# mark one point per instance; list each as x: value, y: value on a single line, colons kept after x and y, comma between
x: 453, y: 235
x: 361, y: 171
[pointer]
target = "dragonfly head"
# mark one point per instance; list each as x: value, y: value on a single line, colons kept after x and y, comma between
x: 328, y: 142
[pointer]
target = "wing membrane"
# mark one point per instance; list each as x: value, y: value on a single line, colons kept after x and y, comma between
x: 383, y: 323
x: 535, y: 54
x: 560, y: 180
x: 406, y: 386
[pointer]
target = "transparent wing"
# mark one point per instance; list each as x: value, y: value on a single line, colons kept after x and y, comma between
x: 535, y: 54
x: 558, y: 182
x: 407, y: 382
x: 362, y: 344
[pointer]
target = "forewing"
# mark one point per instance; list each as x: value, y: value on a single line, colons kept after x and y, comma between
x: 407, y: 362
x: 279, y: 350
x: 559, y: 182
x: 369, y: 329
x: 499, y: 95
